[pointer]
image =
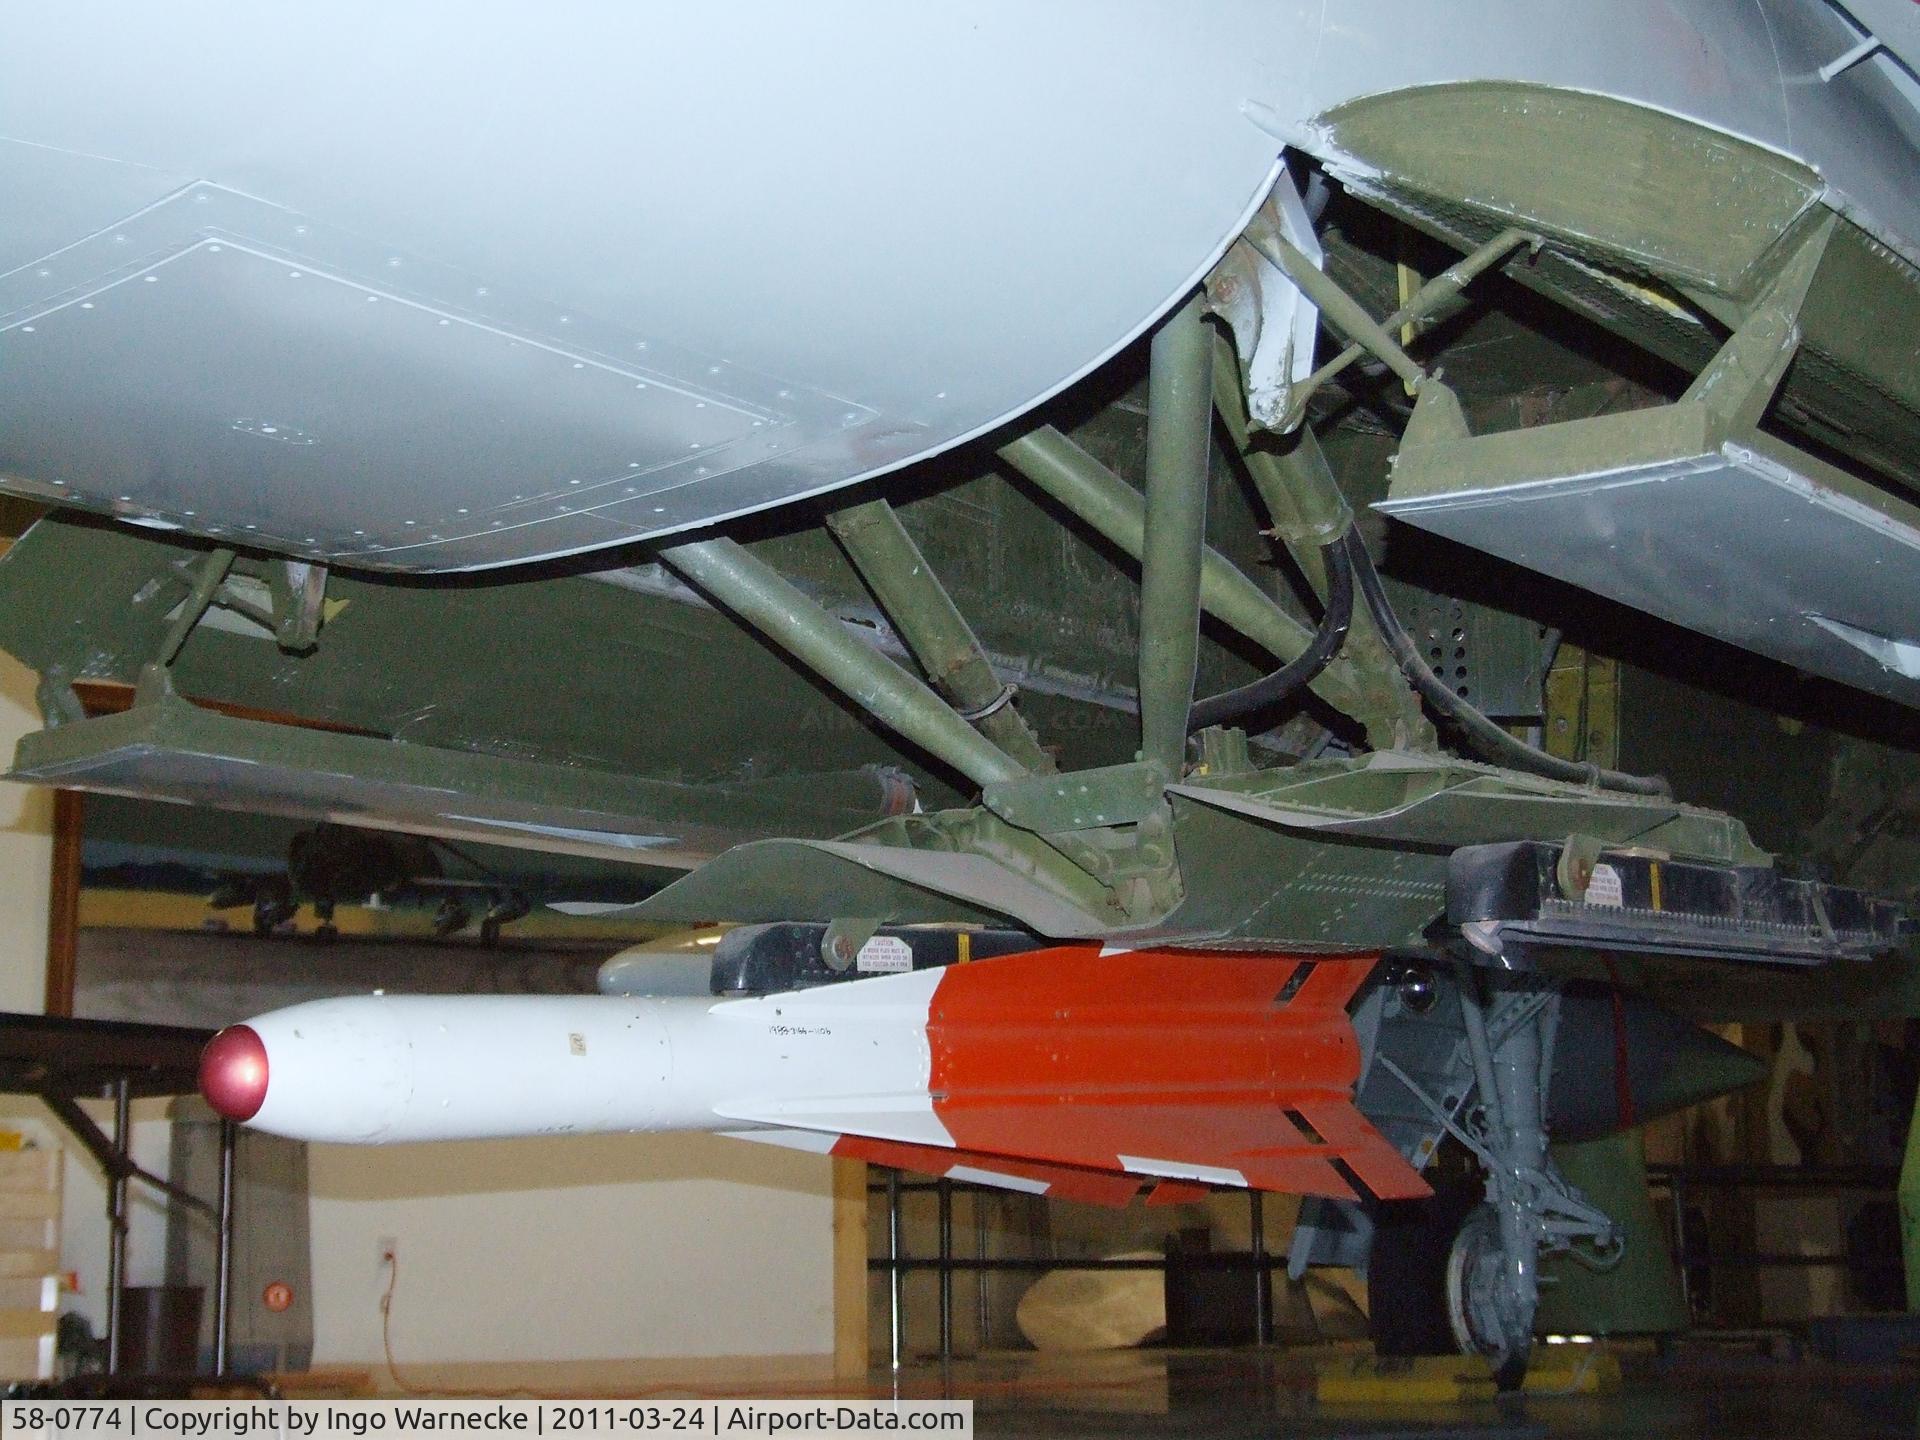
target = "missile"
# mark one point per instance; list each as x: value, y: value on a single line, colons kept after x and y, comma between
x: 1064, y: 1070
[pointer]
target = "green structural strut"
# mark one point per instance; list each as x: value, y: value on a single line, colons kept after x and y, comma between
x: 1346, y: 314
x: 1432, y: 302
x: 1053, y: 464
x: 206, y: 584
x: 1179, y: 426
x: 932, y: 626
x: 767, y: 602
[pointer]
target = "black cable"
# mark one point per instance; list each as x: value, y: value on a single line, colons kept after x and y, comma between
x: 1301, y: 671
x: 1487, y: 738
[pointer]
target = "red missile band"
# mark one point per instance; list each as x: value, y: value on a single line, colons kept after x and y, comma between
x: 233, y: 1073
x: 1068, y: 1068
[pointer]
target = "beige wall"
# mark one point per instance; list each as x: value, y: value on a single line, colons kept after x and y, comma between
x: 83, y: 1210
x: 578, y: 1248
x: 26, y: 854
x: 602, y: 1248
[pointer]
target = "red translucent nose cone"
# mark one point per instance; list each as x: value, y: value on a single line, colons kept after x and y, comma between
x: 233, y: 1072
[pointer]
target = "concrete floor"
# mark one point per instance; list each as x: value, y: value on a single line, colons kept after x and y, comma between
x: 1233, y: 1394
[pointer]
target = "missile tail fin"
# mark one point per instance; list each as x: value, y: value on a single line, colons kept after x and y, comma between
x: 1061, y: 1182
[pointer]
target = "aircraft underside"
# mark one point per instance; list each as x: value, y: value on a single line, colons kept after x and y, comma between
x: 1623, y: 297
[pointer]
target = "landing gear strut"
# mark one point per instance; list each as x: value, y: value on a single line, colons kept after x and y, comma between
x: 1493, y: 1266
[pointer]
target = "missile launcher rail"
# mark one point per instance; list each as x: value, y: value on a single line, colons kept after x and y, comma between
x: 770, y: 959
x: 1529, y: 895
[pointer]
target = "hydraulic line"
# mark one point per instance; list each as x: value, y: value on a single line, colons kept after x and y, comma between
x: 1269, y: 690
x: 1486, y: 737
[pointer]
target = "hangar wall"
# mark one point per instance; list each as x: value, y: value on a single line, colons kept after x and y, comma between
x: 611, y: 1249
x: 26, y: 854
x: 573, y: 1248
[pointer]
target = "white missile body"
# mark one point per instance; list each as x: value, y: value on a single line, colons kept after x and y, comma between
x: 1066, y: 1071
x: 379, y: 1069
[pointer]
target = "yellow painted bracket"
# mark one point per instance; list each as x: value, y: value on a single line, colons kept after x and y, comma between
x: 1572, y: 1370
x: 1366, y: 1379
x: 1404, y: 1380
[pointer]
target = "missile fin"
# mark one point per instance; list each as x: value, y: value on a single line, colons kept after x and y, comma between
x: 1177, y: 1192
x: 906, y: 1119
x: 1368, y: 1153
x: 1225, y: 1142
x: 813, y: 1142
x: 1063, y: 1182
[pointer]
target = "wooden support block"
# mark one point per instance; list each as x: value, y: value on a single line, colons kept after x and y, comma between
x: 325, y: 1385
x: 39, y: 1234
x: 31, y: 1292
x: 29, y: 1204
x: 24, y: 1324
x: 29, y: 1169
x: 849, y: 1269
x: 27, y: 1358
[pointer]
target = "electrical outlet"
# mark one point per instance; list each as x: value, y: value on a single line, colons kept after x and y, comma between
x: 389, y: 1252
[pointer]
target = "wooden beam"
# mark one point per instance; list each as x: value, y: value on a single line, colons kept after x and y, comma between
x: 63, y: 901
x: 849, y: 1269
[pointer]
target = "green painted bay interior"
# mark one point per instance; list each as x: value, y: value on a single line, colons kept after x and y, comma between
x: 1673, y: 214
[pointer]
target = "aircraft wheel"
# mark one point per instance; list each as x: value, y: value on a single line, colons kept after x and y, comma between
x: 1481, y: 1313
x: 1434, y: 1283
x: 273, y: 906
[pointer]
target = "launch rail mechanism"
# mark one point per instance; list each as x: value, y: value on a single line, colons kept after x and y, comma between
x: 1522, y: 897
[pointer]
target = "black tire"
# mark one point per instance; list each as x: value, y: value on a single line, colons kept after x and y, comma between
x: 1481, y: 1226
x: 1407, y: 1271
